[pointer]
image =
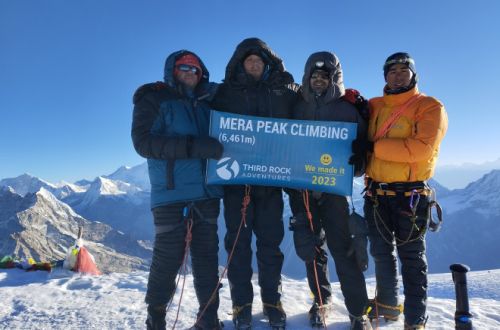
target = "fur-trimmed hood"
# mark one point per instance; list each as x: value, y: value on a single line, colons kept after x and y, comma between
x: 329, y: 62
x: 274, y: 70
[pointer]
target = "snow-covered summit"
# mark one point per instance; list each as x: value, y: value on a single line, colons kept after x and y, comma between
x: 105, y: 186
x: 136, y: 175
x: 45, y: 196
x: 26, y: 183
x: 102, y: 186
x: 481, y: 195
x: 116, y: 301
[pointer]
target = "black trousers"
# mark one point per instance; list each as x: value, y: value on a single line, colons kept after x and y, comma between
x: 331, y: 214
x: 168, y: 252
x: 393, y: 225
x: 265, y: 220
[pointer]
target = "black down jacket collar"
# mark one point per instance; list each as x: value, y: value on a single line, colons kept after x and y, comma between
x: 274, y: 71
x: 330, y: 63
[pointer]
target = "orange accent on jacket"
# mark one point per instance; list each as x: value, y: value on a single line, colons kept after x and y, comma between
x: 409, y: 150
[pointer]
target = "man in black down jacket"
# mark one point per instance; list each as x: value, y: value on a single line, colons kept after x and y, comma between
x: 255, y: 84
x: 322, y: 91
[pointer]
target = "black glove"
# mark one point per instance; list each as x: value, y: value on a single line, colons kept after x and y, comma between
x: 359, y: 162
x: 205, y: 147
x: 304, y: 239
x: 359, y: 241
x: 361, y: 146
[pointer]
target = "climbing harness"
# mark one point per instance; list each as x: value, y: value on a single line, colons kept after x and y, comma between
x: 412, y: 190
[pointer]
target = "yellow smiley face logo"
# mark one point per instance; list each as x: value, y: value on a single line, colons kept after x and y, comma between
x: 325, y: 159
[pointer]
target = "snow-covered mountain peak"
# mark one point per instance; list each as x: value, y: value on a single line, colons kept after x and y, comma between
x: 486, y: 183
x: 46, y: 199
x: 42, y: 227
x: 103, y: 186
x: 136, y: 175
x: 76, y: 188
x: 107, y: 186
x: 26, y: 183
x: 481, y: 195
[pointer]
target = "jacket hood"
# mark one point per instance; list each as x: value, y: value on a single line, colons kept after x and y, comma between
x: 331, y: 64
x: 274, y: 70
x: 168, y: 75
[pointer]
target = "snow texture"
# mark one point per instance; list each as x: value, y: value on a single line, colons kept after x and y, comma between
x: 64, y: 300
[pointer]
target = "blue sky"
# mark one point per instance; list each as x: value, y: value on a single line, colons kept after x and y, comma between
x: 68, y: 69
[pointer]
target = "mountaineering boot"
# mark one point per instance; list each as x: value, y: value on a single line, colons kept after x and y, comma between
x: 317, y: 314
x: 242, y: 317
x: 378, y: 309
x: 276, y: 315
x: 217, y: 326
x: 418, y: 325
x: 207, y: 319
x: 156, y: 318
x: 360, y: 323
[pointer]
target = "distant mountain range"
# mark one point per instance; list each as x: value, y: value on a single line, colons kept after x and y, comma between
x: 40, y: 219
x: 459, y: 176
x: 40, y: 226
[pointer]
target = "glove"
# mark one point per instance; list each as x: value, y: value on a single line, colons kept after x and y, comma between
x: 359, y: 163
x: 355, y: 98
x: 359, y: 241
x: 205, y: 147
x: 361, y: 146
x: 304, y: 239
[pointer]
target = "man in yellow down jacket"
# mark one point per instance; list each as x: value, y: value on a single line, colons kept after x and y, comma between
x: 405, y: 130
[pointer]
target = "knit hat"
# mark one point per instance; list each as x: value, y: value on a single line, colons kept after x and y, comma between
x: 189, y: 59
x: 399, y: 58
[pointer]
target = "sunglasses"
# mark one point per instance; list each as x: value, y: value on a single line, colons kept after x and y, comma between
x: 187, y: 68
x: 320, y: 75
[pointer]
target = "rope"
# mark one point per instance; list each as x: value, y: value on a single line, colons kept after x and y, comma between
x: 278, y: 306
x: 395, y: 114
x: 376, y: 306
x: 245, y: 203
x: 238, y: 309
x: 305, y: 196
x: 396, y: 241
x: 188, y: 239
x: 377, y: 322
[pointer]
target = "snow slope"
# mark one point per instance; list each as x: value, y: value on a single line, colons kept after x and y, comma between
x: 63, y: 300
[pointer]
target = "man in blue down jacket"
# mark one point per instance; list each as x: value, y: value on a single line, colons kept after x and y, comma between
x: 255, y: 84
x: 322, y: 94
x: 170, y: 129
